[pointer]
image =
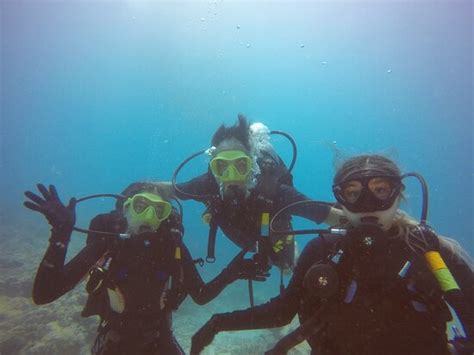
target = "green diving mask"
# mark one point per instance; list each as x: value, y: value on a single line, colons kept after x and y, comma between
x: 231, y: 166
x: 147, y: 209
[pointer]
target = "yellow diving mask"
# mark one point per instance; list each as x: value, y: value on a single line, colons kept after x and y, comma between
x: 231, y: 166
x: 147, y: 209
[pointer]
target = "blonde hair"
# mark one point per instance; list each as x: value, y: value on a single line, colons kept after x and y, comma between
x: 407, y: 227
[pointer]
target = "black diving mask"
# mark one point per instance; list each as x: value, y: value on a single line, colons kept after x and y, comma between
x: 368, y: 193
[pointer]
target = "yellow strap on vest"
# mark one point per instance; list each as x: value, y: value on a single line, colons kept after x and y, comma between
x: 264, y: 226
x: 435, y: 261
x: 441, y: 272
x: 177, y: 253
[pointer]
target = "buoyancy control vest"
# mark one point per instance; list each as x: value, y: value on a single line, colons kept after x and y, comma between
x: 376, y: 304
x: 273, y: 173
x: 143, y: 274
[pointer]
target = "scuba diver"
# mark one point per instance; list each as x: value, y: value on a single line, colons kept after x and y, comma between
x: 378, y: 286
x: 246, y: 183
x: 138, y: 269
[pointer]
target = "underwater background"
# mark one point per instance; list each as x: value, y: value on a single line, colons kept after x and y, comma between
x: 96, y: 95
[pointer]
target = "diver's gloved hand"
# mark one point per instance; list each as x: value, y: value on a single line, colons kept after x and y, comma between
x: 248, y: 269
x: 62, y: 218
x: 461, y: 346
x: 204, y: 336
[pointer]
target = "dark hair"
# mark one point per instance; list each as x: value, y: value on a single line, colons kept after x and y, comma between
x: 366, y: 165
x: 239, y: 131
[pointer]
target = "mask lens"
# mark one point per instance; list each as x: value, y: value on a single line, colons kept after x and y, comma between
x: 381, y: 188
x: 351, y: 191
x: 219, y: 166
x: 162, y: 209
x: 242, y: 165
x: 140, y: 204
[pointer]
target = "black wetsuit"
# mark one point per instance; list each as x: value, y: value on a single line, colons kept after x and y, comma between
x: 388, y: 315
x: 241, y: 223
x: 141, y: 269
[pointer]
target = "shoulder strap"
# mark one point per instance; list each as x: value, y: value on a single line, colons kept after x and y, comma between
x: 273, y: 169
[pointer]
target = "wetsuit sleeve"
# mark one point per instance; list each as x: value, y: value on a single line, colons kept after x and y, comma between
x: 315, y: 211
x: 200, y: 186
x: 280, y: 310
x: 53, y: 278
x: 200, y: 291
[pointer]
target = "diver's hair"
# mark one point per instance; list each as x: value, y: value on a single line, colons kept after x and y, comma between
x: 408, y: 226
x: 372, y: 162
x: 239, y: 131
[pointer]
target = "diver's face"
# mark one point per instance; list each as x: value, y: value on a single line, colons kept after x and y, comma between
x: 145, y: 212
x: 232, y: 169
x: 231, y: 166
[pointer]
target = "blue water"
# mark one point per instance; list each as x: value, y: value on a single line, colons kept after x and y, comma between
x: 96, y: 95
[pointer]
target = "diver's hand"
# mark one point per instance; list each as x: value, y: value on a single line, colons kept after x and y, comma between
x: 247, y: 269
x: 204, y: 336
x: 62, y: 218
